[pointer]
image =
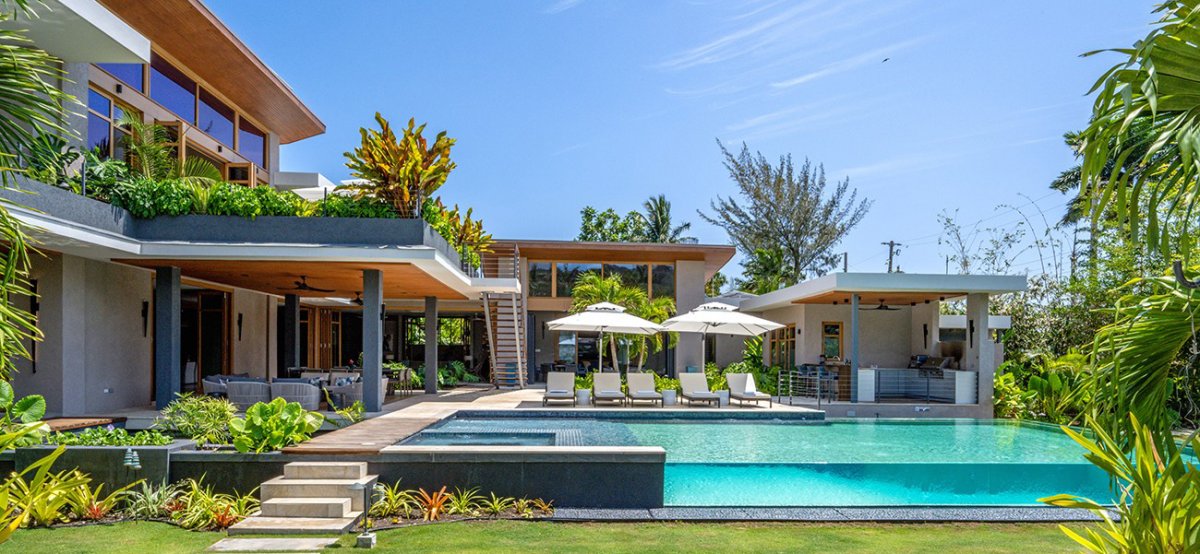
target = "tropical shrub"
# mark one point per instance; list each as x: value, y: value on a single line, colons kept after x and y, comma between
x: 337, y: 205
x: 348, y: 415
x: 41, y: 497
x: 20, y: 418
x: 584, y: 382
x: 1009, y: 399
x: 198, y: 507
x: 715, y: 376
x: 273, y: 425
x: 204, y: 419
x: 151, y: 501
x: 402, y: 170
x: 433, y: 505
x: 496, y: 505
x: 392, y: 501
x: 48, y: 158
x: 1157, y: 494
x: 464, y: 502
x: 665, y: 383
x: 110, y: 436
x: 149, y: 198
x: 92, y: 504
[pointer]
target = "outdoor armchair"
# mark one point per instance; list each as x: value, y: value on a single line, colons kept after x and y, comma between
x: 560, y: 385
x: 606, y: 387
x: 743, y: 389
x: 353, y: 391
x: 641, y: 387
x: 244, y: 394
x: 307, y: 394
x: 693, y: 387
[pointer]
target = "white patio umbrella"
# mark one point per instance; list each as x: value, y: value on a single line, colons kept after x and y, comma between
x: 605, y: 317
x: 719, y: 318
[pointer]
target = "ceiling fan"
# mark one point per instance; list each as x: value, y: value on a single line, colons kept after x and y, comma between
x: 881, y: 307
x: 302, y: 284
x: 357, y: 298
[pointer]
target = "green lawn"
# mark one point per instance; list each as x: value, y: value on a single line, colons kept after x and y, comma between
x: 516, y: 536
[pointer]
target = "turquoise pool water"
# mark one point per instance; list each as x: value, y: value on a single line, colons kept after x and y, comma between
x: 836, y: 463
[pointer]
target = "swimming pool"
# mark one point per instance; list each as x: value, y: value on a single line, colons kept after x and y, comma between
x: 830, y: 463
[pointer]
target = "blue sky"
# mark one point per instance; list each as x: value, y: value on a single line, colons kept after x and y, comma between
x: 558, y: 104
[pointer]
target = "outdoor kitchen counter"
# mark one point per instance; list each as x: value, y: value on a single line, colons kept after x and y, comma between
x: 940, y: 385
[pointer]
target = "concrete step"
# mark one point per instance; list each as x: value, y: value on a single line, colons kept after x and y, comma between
x: 357, y: 490
x: 325, y: 470
x: 263, y: 525
x: 306, y: 507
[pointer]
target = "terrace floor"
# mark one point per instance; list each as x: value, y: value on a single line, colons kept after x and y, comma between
x: 408, y: 415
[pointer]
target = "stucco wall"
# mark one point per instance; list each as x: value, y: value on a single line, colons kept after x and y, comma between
x: 884, y: 336
x: 254, y: 351
x: 689, y: 293
x: 94, y: 357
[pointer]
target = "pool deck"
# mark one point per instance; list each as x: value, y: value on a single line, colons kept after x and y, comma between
x: 914, y: 514
x: 408, y: 415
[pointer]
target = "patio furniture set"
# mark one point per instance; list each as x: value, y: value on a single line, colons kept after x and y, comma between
x: 693, y: 387
x: 308, y: 390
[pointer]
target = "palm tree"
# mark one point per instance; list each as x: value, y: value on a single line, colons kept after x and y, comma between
x: 30, y: 105
x: 152, y: 156
x: 590, y: 288
x: 659, y: 227
x: 658, y: 310
x: 765, y: 271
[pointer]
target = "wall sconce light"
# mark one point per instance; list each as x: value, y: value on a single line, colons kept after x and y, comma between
x: 925, y: 333
x: 971, y: 336
x: 239, y: 324
x: 145, y: 318
x: 220, y: 148
x: 382, y: 312
x: 119, y: 88
x: 926, y: 300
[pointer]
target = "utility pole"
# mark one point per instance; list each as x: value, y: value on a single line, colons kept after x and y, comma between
x: 892, y: 251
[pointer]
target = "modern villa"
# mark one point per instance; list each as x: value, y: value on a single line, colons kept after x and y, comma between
x: 134, y: 311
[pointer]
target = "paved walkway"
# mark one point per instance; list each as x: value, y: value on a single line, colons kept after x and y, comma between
x: 405, y: 417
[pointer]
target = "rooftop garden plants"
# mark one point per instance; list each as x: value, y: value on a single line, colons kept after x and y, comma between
x: 110, y: 436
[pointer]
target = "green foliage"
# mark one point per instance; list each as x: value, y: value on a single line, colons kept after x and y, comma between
x: 765, y: 270
x: 1043, y: 387
x: 495, y: 505
x: 715, y: 376
x: 148, y: 198
x: 1009, y: 399
x: 590, y: 289
x: 273, y: 425
x: 110, y: 436
x: 1158, y: 494
x: 204, y: 419
x: 199, y: 508
x: 150, y: 501
x: 665, y: 383
x: 608, y: 226
x: 348, y: 415
x: 584, y: 382
x: 392, y: 501
x: 716, y: 285
x: 20, y: 418
x: 402, y: 170
x: 41, y: 497
x: 464, y: 502
x: 102, y: 175
x: 464, y: 234
x: 337, y: 205
x: 92, y: 504
x: 49, y: 158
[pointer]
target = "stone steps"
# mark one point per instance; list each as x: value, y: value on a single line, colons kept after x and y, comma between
x: 311, y: 497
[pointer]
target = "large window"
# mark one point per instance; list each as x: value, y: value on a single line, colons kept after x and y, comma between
x: 831, y: 339
x: 541, y: 279
x: 132, y: 74
x: 216, y: 118
x: 568, y: 273
x: 252, y: 143
x: 662, y: 281
x: 171, y: 88
x: 105, y: 135
x: 783, y: 347
x: 632, y: 275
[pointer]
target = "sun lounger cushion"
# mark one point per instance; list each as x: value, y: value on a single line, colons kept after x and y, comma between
x: 558, y: 392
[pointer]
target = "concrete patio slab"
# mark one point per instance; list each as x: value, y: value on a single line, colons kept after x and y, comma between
x: 272, y: 545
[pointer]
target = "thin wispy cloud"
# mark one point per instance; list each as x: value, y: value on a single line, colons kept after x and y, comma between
x: 901, y: 164
x: 736, y: 43
x: 561, y: 6
x: 849, y: 64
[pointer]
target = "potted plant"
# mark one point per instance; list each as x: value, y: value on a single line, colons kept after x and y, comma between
x: 366, y: 539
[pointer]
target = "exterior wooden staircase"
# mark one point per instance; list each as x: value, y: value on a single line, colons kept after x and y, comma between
x: 506, y: 314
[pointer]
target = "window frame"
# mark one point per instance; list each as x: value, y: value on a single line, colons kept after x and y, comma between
x: 113, y: 128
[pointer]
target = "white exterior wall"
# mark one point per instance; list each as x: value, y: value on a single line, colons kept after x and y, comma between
x: 885, y: 337
x: 254, y: 352
x: 94, y: 358
x: 927, y: 315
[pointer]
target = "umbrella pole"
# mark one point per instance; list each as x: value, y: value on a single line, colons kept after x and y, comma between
x: 600, y: 347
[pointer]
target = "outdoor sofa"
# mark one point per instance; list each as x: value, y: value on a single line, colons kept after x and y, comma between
x: 693, y: 387
x: 302, y: 391
x: 244, y: 394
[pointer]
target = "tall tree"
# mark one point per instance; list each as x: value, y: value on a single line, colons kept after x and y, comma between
x: 659, y: 227
x: 31, y: 104
x: 764, y: 271
x: 785, y: 209
x: 716, y: 285
x: 590, y: 288
x: 608, y: 226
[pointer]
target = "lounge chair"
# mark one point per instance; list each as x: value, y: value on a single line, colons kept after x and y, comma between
x: 641, y: 387
x: 742, y: 389
x: 307, y: 394
x: 693, y: 387
x: 606, y: 387
x: 560, y: 385
x: 244, y: 394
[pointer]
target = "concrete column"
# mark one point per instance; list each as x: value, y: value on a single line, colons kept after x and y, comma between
x: 167, y: 319
x: 854, y: 348
x: 689, y: 294
x: 980, y: 354
x: 75, y: 83
x: 431, y: 344
x: 372, y: 337
x: 291, y: 334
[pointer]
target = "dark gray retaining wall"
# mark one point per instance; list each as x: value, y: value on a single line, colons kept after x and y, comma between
x: 568, y: 476
x: 105, y: 464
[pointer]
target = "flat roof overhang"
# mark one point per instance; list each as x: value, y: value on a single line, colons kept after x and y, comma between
x: 714, y: 256
x: 194, y: 36
x: 82, y: 31
x: 888, y: 288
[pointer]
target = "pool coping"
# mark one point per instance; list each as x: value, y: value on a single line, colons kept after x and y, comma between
x: 911, y: 514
